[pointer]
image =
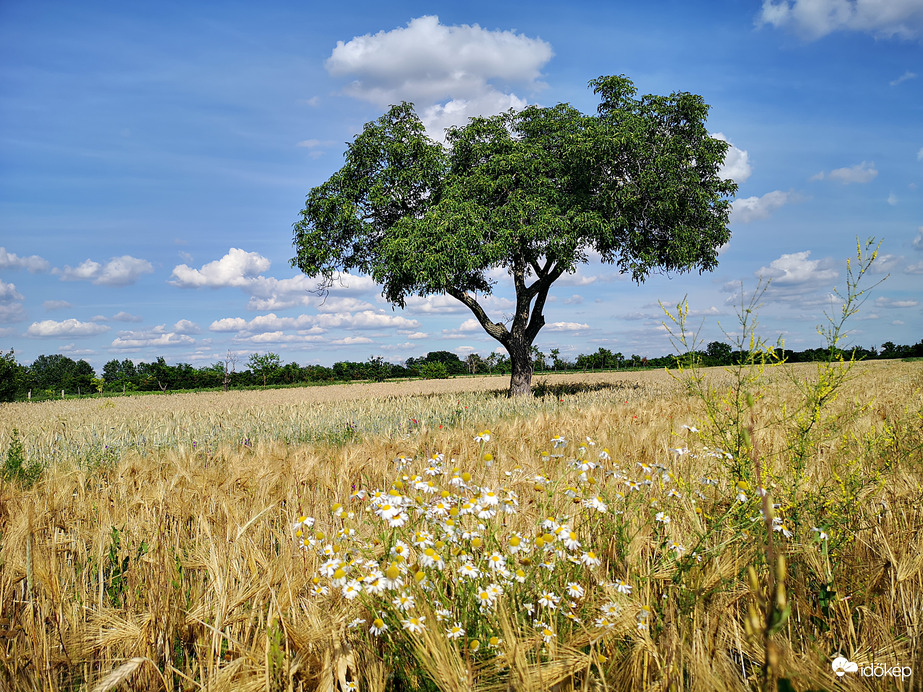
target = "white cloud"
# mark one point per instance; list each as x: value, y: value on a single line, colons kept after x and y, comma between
x: 236, y: 268
x: 566, y: 327
x: 736, y: 164
x: 750, y: 209
x: 863, y: 172
x: 118, y: 271
x: 33, y: 263
x: 186, y: 327
x: 126, y: 317
x: 796, y: 269
x: 892, y: 199
x: 470, y: 325
x: 69, y: 327
x: 451, y: 72
x: 813, y: 19
x: 918, y: 241
x: 892, y: 303
x: 920, y: 154
x: 351, y: 340
x: 914, y: 268
x: 8, y: 292
x: 885, y: 263
x: 11, y: 308
x: 903, y: 78
x: 366, y: 319
x: 156, y: 337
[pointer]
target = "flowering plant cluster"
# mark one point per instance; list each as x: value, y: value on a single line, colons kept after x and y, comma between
x: 452, y: 552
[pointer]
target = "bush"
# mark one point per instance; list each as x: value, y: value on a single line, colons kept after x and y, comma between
x: 434, y: 371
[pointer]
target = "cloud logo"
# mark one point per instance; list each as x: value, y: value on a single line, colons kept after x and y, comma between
x: 841, y: 666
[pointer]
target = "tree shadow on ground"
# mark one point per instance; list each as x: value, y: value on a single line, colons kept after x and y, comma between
x: 542, y: 389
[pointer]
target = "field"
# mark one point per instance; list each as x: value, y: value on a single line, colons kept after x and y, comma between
x: 608, y: 534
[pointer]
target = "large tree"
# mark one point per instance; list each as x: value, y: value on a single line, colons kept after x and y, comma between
x: 532, y: 192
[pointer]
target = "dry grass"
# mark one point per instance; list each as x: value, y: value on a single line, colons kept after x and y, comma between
x: 169, y: 562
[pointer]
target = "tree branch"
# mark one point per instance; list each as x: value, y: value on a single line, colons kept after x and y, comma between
x: 494, y: 329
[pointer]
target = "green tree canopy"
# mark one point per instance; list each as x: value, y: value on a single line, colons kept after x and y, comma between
x: 532, y: 192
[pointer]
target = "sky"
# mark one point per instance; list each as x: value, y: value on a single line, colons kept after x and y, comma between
x: 154, y: 157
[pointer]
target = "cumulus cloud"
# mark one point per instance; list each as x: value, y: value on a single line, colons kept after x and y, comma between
x: 236, y: 268
x: 11, y: 308
x: 736, y: 164
x: 813, y: 19
x: 749, y: 209
x: 33, y: 263
x: 864, y: 172
x: 918, y: 241
x: 158, y: 337
x: 452, y: 72
x: 70, y: 327
x: 566, y: 327
x: 118, y: 271
x: 796, y: 269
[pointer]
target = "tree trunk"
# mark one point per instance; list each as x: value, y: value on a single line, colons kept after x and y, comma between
x: 521, y: 379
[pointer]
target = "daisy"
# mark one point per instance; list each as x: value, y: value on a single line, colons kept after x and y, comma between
x: 570, y: 540
x: 352, y: 589
x: 378, y: 626
x: 575, y: 590
x: 403, y: 601
x: 589, y: 559
x: 496, y: 561
x: 610, y: 610
x: 455, y: 631
x: 662, y: 517
x: 622, y: 587
x: 549, y: 600
x: 414, y: 625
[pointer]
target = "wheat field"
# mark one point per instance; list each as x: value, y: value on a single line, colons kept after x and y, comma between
x: 609, y: 534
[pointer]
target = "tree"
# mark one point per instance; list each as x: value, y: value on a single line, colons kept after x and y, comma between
x: 10, y: 376
x: 532, y: 192
x: 264, y: 365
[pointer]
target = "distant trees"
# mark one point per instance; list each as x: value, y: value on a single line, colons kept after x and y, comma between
x: 49, y: 375
x: 265, y: 365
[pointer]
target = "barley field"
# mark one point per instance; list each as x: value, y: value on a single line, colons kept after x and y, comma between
x: 707, y: 530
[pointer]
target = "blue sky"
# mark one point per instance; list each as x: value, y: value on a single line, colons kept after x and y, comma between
x: 153, y: 159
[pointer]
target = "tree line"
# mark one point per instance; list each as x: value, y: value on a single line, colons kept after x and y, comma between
x: 48, y: 376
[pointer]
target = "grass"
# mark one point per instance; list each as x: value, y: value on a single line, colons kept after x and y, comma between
x: 157, y: 549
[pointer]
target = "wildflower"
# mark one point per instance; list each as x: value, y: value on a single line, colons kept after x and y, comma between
x: 678, y: 548
x: 674, y: 493
x: 403, y: 601
x: 414, y: 625
x: 355, y: 623
x: 821, y: 534
x: 483, y: 436
x: 469, y: 571
x: 433, y: 471
x: 549, y: 600
x: 575, y: 590
x: 570, y: 540
x: 517, y: 543
x: 352, y: 589
x: 596, y: 503
x: 378, y: 626
x: 547, y: 634
x: 423, y: 539
x: 351, y: 686
x: 485, y: 598
x: 589, y: 559
x: 430, y: 558
x: 494, y: 642
x: 455, y: 631
x: 520, y: 576
x: 495, y: 590
x: 604, y: 454
x: 662, y: 517
x: 632, y: 485
x: 778, y: 525
x: 398, y: 520
x: 558, y: 441
x: 496, y: 561
x: 320, y: 590
x: 622, y: 586
x: 691, y: 428
x: 610, y: 609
